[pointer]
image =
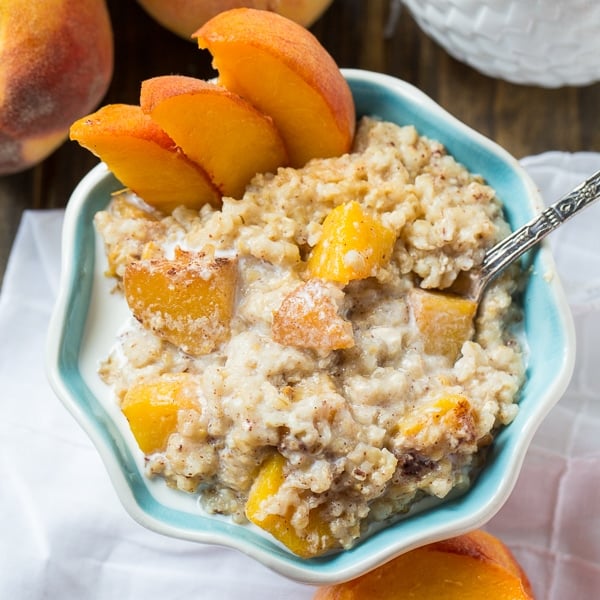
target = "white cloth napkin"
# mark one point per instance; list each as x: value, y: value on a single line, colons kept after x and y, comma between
x: 65, y: 534
x: 552, y: 519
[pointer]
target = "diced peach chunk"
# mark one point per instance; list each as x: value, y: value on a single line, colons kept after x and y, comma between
x: 151, y: 408
x: 188, y: 301
x: 312, y: 541
x: 309, y: 317
x: 451, y: 412
x: 216, y: 128
x: 445, y: 321
x: 283, y: 70
x: 144, y: 158
x: 353, y: 245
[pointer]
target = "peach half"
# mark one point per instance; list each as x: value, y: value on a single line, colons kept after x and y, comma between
x: 468, y: 567
x: 144, y: 158
x: 215, y: 128
x: 284, y: 71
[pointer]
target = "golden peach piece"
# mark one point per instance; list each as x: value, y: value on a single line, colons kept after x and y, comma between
x: 445, y: 321
x: 303, y: 543
x: 468, y: 567
x: 353, y: 245
x: 151, y: 408
x: 308, y: 317
x: 452, y: 412
x: 216, y: 129
x: 283, y: 70
x: 187, y: 301
x: 144, y: 158
x: 56, y: 62
x: 183, y: 17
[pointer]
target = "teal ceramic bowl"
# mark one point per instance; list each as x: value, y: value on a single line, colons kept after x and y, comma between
x: 87, y: 315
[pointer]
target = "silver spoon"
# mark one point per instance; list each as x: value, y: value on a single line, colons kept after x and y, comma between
x: 471, y: 284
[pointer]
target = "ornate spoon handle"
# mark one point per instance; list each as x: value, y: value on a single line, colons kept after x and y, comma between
x: 530, y: 234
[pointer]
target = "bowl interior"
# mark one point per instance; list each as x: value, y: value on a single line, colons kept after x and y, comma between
x: 86, y: 317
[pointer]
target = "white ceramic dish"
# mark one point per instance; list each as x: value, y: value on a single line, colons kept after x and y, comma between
x: 549, y: 43
x: 87, y: 315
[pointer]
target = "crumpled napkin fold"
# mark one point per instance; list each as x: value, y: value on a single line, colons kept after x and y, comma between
x: 65, y: 534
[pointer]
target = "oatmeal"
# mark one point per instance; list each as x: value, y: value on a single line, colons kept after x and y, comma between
x: 300, y: 390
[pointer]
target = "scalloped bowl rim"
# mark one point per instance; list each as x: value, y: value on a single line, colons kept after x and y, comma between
x: 390, y: 98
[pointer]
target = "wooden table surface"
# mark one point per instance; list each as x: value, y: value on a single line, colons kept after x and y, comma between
x: 525, y: 120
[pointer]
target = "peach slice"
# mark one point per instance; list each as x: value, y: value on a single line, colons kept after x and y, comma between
x: 315, y: 539
x: 308, y: 318
x: 283, y: 70
x: 144, y: 158
x: 467, y: 567
x: 151, y: 408
x: 215, y: 128
x: 445, y: 321
x: 187, y: 301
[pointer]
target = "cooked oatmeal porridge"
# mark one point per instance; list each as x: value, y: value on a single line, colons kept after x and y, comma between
x: 309, y: 398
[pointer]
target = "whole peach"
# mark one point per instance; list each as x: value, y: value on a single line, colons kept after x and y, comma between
x: 183, y: 17
x: 56, y: 62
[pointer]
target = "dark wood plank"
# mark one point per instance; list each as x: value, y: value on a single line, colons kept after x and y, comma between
x: 16, y: 192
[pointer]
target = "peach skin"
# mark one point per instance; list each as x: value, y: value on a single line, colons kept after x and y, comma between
x: 144, y: 158
x: 183, y: 17
x: 215, y: 128
x: 56, y: 62
x: 468, y: 567
x: 283, y: 70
